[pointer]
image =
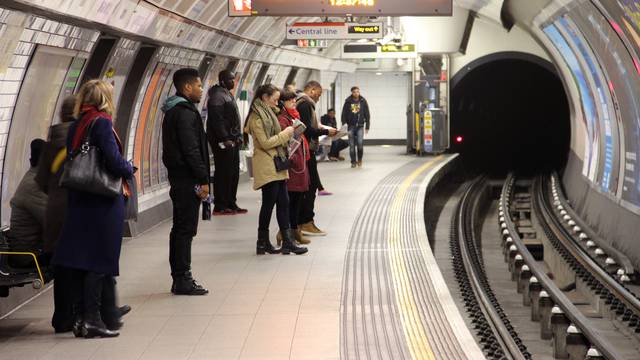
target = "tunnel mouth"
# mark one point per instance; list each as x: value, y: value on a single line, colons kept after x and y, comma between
x: 510, y: 113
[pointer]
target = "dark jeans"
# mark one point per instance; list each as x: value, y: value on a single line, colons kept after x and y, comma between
x: 186, y: 206
x: 295, y: 201
x: 274, y: 194
x: 225, y: 178
x: 309, y: 198
x: 356, y: 138
x: 337, y: 146
x: 94, y: 296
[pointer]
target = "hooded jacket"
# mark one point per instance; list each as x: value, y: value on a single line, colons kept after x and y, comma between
x: 184, y: 144
x: 355, y: 112
x: 223, y: 118
x: 265, y: 147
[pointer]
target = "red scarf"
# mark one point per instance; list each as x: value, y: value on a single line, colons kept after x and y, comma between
x: 89, y: 113
x: 293, y: 112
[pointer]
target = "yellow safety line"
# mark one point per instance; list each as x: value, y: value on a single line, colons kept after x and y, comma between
x: 35, y: 259
x: 414, y: 331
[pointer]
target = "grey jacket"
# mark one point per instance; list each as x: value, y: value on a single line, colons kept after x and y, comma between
x: 27, y: 214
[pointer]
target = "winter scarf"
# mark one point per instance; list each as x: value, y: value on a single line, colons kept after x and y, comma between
x: 269, y: 120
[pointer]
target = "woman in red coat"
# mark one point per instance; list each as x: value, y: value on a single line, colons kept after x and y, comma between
x: 298, y: 182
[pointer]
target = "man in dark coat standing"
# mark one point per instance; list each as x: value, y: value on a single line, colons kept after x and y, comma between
x: 225, y: 139
x: 186, y: 156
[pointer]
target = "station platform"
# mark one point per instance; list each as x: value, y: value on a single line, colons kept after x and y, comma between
x: 370, y: 289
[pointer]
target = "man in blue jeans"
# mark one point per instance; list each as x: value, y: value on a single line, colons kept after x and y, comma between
x: 355, y: 113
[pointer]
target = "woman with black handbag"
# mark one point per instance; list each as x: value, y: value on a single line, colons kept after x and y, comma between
x: 91, y: 236
x: 270, y: 169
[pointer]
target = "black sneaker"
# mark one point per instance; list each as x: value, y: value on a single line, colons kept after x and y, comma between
x: 188, y: 287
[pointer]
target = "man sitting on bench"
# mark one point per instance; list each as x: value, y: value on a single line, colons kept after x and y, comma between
x: 27, y: 214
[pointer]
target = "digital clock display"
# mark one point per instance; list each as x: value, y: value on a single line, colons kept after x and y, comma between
x: 352, y: 7
x: 352, y: 3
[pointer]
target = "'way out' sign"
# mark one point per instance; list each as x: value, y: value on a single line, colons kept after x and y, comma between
x: 336, y: 31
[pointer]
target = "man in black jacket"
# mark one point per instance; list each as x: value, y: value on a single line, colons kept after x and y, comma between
x: 225, y: 139
x: 306, y: 106
x: 355, y: 113
x: 186, y: 156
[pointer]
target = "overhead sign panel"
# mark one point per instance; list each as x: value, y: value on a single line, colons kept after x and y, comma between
x: 334, y: 31
x: 352, y: 7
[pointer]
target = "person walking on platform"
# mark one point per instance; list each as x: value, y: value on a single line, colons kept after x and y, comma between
x: 337, y: 145
x: 225, y: 139
x: 355, y: 113
x: 270, y: 163
x: 298, y: 182
x: 186, y: 157
x: 91, y: 235
x: 48, y: 178
x: 306, y: 105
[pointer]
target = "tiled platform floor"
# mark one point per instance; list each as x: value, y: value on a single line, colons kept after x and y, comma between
x: 267, y: 307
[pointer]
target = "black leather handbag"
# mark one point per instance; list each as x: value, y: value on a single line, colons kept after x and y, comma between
x: 85, y: 170
x: 281, y: 163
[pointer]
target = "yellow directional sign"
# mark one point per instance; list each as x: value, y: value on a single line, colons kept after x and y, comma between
x: 408, y: 48
x: 363, y: 29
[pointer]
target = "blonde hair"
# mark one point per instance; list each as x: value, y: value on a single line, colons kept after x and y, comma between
x: 97, y: 93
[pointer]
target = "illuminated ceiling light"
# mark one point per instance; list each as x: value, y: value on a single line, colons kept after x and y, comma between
x: 378, y: 73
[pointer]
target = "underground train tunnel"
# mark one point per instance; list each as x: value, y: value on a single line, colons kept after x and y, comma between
x: 510, y: 113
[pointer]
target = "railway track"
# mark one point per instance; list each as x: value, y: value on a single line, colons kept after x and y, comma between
x: 603, y: 276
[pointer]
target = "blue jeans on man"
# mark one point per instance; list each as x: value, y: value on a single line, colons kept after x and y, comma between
x: 356, y: 147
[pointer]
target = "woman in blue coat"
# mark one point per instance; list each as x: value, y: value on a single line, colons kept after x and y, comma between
x: 92, y: 232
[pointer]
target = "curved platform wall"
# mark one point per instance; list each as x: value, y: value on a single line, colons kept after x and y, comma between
x: 594, y: 46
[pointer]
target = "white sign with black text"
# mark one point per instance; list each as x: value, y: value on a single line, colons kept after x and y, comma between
x: 334, y: 31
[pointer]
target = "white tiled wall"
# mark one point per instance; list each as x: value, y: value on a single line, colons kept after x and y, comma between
x: 33, y: 31
x: 387, y: 95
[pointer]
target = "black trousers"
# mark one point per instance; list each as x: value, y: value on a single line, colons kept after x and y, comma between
x: 309, y: 198
x: 186, y: 206
x: 274, y: 194
x: 295, y: 201
x: 225, y: 177
x: 62, y: 297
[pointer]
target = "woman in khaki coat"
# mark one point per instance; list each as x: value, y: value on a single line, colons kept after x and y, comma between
x: 270, y: 147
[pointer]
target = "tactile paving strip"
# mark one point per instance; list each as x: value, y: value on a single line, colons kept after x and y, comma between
x: 391, y: 301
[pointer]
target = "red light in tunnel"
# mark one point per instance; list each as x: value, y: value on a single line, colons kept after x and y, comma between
x: 459, y: 139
